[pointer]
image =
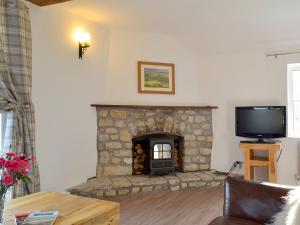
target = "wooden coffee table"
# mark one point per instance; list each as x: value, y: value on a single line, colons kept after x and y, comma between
x: 72, y: 209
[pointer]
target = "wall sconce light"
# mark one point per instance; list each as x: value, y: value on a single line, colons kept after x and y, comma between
x: 83, y: 41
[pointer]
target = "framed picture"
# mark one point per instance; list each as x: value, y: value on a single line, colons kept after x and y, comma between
x: 156, y: 78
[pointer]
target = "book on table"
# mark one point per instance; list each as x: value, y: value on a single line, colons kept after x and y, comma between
x: 37, y: 218
x: 20, y: 217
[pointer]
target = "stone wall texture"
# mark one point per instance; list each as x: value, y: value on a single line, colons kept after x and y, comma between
x: 118, y: 125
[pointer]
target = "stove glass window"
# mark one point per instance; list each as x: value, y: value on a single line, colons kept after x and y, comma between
x: 162, y: 151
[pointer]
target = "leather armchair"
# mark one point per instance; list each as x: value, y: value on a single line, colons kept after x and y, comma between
x: 250, y: 203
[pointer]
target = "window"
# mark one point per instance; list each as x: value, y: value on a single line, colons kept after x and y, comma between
x: 1, y: 133
x: 2, y: 130
x: 294, y: 100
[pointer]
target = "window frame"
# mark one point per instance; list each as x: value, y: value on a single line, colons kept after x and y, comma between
x: 1, y: 132
x: 292, y: 132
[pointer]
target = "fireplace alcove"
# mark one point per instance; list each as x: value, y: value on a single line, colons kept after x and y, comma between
x: 157, y: 154
x: 186, y: 132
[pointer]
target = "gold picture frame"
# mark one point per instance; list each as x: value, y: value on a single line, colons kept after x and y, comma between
x: 156, y: 78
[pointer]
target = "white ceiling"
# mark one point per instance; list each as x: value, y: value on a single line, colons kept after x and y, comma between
x: 209, y: 26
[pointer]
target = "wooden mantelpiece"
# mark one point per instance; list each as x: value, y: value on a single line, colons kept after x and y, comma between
x: 157, y: 106
x: 47, y: 2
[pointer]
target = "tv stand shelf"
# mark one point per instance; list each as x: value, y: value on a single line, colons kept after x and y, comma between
x: 252, y: 161
x: 259, y: 161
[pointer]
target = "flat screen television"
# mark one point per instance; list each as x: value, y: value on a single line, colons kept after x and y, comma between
x: 262, y: 122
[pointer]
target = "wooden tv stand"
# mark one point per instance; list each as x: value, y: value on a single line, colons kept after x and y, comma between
x: 251, y: 161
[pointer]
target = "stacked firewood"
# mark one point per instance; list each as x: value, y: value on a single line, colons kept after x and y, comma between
x: 139, y: 158
x: 176, y: 156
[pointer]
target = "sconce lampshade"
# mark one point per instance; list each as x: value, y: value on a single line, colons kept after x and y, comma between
x: 83, y: 39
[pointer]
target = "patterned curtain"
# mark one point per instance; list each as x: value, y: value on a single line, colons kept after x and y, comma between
x: 16, y: 85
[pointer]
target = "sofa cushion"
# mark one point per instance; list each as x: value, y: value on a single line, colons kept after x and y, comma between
x: 252, y: 200
x: 224, y: 220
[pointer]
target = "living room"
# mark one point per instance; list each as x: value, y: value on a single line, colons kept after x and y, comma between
x: 223, y: 55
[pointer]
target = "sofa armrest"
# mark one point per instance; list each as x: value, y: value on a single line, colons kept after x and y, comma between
x: 253, y: 200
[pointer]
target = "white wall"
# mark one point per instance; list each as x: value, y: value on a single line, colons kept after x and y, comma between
x: 240, y: 80
x: 127, y: 47
x: 64, y: 87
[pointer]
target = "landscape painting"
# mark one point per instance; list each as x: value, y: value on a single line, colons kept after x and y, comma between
x: 156, y: 78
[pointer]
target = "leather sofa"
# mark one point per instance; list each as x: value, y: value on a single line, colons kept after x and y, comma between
x: 250, y: 203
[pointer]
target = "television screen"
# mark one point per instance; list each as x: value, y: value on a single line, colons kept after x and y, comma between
x: 261, y: 121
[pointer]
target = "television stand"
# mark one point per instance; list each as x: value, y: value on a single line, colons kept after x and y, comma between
x: 251, y: 161
x: 260, y: 141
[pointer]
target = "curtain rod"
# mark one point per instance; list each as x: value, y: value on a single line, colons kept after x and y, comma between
x: 282, y: 53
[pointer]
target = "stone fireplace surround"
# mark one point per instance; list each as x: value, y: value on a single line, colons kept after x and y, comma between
x: 118, y: 125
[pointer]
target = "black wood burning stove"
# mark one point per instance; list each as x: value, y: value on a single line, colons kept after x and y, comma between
x: 161, y: 156
x: 157, y: 154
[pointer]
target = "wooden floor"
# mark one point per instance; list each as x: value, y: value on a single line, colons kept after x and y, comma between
x: 184, y: 207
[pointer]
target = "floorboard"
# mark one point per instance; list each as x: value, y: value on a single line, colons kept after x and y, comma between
x: 184, y: 207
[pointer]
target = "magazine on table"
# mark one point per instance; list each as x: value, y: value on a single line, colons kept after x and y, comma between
x: 20, y: 217
x: 37, y: 218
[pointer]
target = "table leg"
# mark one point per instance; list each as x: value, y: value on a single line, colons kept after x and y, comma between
x: 272, y: 167
x: 248, y: 169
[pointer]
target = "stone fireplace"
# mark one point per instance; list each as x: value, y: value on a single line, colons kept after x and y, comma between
x: 119, y: 125
x: 151, y: 148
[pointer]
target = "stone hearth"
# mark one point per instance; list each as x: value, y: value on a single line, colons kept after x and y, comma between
x: 122, y: 185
